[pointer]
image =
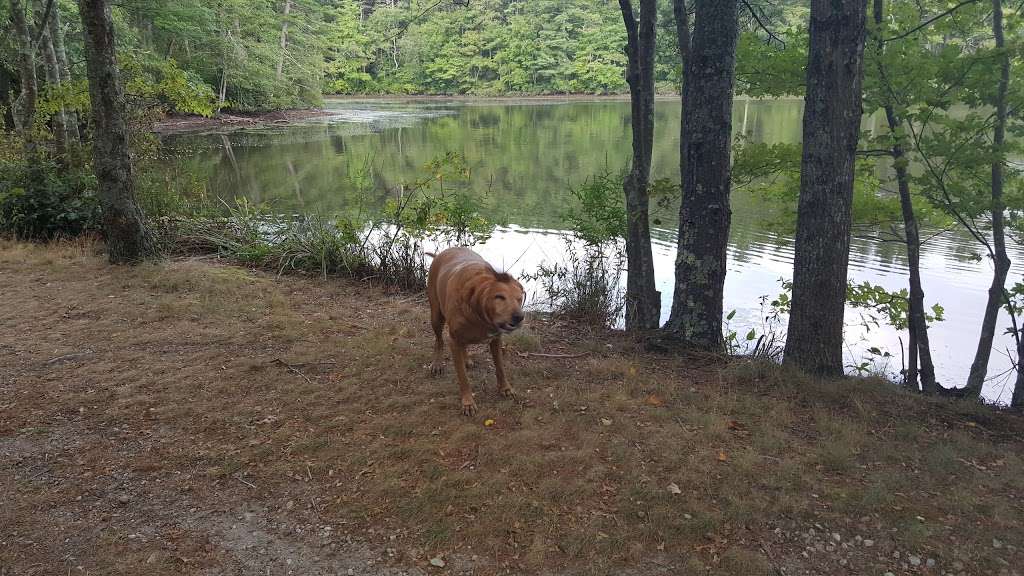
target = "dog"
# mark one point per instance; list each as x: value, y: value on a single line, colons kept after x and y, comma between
x: 478, y: 304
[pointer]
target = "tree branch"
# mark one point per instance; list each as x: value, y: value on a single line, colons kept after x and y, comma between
x: 763, y: 26
x: 931, y: 20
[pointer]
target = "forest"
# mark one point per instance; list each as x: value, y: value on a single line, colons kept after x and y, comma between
x: 195, y: 379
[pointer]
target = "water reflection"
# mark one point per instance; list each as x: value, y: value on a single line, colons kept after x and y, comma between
x: 526, y: 155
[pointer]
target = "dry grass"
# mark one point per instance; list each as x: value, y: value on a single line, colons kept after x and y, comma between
x: 145, y: 423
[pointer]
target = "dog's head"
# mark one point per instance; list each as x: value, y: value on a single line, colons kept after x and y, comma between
x: 501, y: 302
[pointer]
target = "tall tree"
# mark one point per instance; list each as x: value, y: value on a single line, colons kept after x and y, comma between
x: 705, y: 146
x: 918, y: 347
x: 832, y: 110
x: 25, y: 104
x: 1001, y: 262
x: 643, y: 301
x: 46, y: 43
x: 124, y: 227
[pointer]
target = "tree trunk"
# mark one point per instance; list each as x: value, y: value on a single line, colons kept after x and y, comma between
x: 705, y: 142
x: 643, y: 301
x: 284, y: 38
x: 123, y: 224
x: 830, y: 132
x: 979, y: 368
x: 57, y: 36
x: 1018, y: 385
x: 25, y: 104
x: 917, y: 325
x: 52, y: 68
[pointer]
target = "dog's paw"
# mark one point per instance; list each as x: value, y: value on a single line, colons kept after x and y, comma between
x: 468, y: 407
x: 437, y: 369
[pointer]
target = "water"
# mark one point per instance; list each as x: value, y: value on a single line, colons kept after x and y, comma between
x: 526, y: 155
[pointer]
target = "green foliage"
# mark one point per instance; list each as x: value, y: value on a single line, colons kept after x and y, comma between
x: 42, y: 201
x: 893, y: 306
x: 161, y: 81
x: 599, y: 216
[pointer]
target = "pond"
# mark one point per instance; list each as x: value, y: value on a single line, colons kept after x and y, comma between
x: 525, y: 156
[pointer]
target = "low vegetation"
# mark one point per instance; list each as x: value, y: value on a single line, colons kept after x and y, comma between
x: 190, y: 416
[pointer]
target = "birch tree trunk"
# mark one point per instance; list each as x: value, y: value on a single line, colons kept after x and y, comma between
x: 123, y: 223
x: 284, y: 38
x: 996, y: 294
x: 25, y: 104
x: 643, y: 301
x: 57, y: 36
x: 705, y: 142
x: 830, y: 132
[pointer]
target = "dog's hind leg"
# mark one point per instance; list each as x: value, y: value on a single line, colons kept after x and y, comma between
x: 499, y: 369
x: 437, y: 322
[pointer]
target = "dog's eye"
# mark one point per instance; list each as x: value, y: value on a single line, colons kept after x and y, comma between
x: 499, y: 297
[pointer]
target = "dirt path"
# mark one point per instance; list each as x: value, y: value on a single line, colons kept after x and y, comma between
x: 189, y: 417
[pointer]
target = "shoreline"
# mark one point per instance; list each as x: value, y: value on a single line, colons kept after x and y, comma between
x: 230, y: 121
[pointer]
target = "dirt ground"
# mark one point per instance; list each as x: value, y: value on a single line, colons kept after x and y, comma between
x: 192, y: 417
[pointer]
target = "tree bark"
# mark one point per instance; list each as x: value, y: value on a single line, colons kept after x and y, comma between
x: 996, y: 294
x: 25, y: 104
x: 123, y: 223
x: 52, y: 68
x: 284, y: 38
x: 1018, y: 386
x: 704, y: 213
x: 830, y: 132
x: 57, y: 36
x: 918, y: 346
x: 643, y: 301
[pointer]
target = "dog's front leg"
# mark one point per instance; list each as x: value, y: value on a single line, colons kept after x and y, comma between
x: 499, y: 368
x: 459, y: 358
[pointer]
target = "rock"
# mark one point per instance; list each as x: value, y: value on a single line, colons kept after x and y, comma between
x: 124, y: 499
x: 997, y: 543
x: 869, y: 543
x: 688, y: 516
x: 888, y: 574
x: 606, y: 421
x: 930, y: 562
x: 437, y: 561
x: 837, y: 537
x: 914, y: 560
x: 152, y: 558
x: 673, y: 488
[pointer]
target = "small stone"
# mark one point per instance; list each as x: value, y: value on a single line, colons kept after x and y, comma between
x: 688, y: 516
x: 606, y: 421
x: 437, y: 561
x: 888, y: 574
x: 124, y: 499
x: 151, y: 559
x: 351, y: 572
x: 914, y: 560
x: 837, y: 537
x: 869, y: 543
x: 930, y: 562
x: 997, y: 543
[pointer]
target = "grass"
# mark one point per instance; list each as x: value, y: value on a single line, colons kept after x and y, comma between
x: 179, y: 401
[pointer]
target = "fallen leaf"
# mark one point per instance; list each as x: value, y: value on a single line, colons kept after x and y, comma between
x: 606, y: 421
x: 654, y: 400
x: 722, y: 457
x: 673, y: 488
x: 632, y: 370
x: 437, y: 561
x: 489, y: 422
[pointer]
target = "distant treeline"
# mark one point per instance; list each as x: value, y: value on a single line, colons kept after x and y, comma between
x: 200, y: 56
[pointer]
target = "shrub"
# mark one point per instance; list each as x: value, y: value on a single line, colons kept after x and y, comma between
x: 41, y: 201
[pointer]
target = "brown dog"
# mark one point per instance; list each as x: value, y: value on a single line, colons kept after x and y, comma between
x: 478, y: 304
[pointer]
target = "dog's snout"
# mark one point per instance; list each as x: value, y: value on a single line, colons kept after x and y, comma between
x: 517, y: 318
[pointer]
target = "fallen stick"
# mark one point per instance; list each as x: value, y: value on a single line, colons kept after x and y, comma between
x: 542, y: 355
x: 291, y: 369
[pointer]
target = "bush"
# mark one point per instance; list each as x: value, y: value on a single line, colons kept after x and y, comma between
x: 41, y: 201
